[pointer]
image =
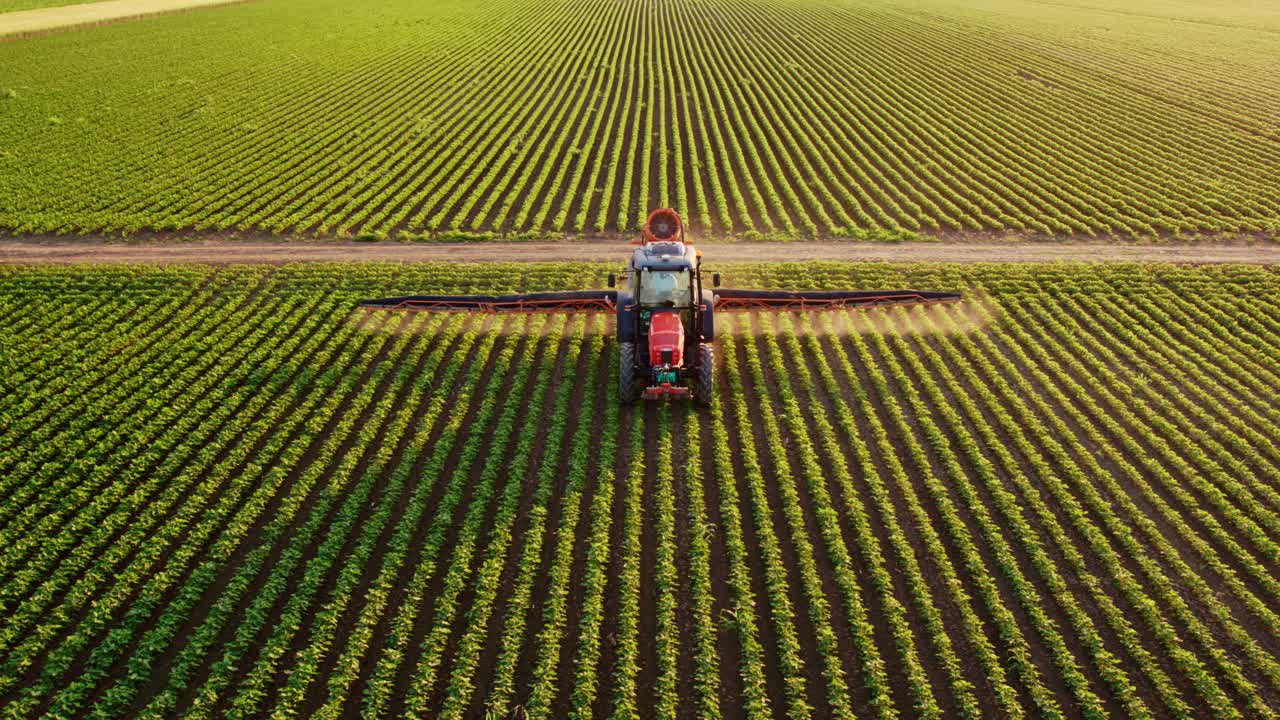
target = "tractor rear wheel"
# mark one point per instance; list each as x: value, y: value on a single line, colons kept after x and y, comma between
x: 627, y: 373
x: 706, y: 379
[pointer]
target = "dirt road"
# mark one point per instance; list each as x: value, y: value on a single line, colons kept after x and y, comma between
x: 231, y: 251
x: 42, y: 19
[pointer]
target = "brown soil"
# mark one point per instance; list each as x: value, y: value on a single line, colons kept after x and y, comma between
x: 964, y: 249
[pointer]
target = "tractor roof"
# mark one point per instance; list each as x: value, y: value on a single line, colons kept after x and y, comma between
x: 665, y: 256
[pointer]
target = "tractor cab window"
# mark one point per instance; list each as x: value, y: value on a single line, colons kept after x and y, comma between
x: 665, y: 288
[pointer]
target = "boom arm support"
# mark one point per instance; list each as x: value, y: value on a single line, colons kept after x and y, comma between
x: 584, y: 301
x: 730, y: 299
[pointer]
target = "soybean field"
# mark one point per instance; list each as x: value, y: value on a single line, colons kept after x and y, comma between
x: 466, y: 119
x: 224, y: 492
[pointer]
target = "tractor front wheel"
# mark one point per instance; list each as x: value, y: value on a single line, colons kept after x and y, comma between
x: 627, y: 391
x: 706, y: 380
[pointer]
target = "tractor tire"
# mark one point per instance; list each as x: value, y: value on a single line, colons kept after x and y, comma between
x: 628, y: 393
x: 706, y: 374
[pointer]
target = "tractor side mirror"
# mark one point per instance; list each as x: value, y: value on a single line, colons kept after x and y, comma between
x: 715, y: 279
x: 613, y: 280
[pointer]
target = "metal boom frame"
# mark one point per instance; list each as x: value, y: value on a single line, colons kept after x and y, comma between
x: 581, y: 301
x: 733, y: 300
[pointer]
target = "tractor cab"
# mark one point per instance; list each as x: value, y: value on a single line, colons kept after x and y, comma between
x: 664, y: 288
x: 664, y: 292
x: 664, y: 280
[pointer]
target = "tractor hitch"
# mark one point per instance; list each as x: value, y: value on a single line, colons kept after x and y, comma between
x: 666, y: 391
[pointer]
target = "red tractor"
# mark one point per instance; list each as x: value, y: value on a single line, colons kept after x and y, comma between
x: 665, y: 315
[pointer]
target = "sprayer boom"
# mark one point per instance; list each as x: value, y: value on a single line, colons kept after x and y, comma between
x: 665, y: 314
x: 580, y: 301
x: 729, y: 299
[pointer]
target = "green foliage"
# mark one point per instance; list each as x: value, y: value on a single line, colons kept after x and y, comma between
x: 226, y: 494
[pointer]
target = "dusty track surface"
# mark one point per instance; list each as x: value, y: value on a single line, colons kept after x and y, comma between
x: 40, y: 20
x: 231, y: 251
